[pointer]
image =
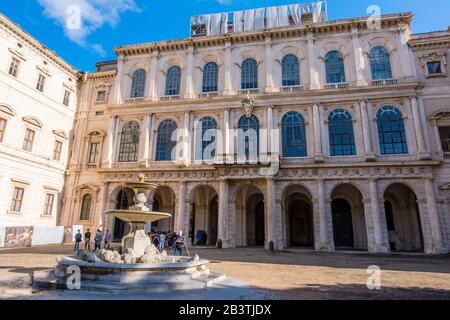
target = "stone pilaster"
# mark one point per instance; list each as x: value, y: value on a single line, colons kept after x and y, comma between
x: 381, y: 244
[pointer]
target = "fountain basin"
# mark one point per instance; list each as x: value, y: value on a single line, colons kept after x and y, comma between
x: 140, y: 217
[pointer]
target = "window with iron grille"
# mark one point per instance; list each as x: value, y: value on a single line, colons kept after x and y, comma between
x: 334, y: 67
x: 94, y: 148
x: 380, y: 63
x: 293, y: 135
x: 291, y: 71
x: 342, y: 138
x: 40, y: 83
x: 17, y: 199
x: 129, y: 142
x: 48, y: 206
x: 57, y: 150
x: 391, y: 131
x: 14, y: 67
x: 210, y: 77
x: 444, y: 133
x: 249, y: 74
x: 173, y: 80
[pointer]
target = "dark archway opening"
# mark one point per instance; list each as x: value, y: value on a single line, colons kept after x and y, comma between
x: 300, y: 224
x: 342, y: 224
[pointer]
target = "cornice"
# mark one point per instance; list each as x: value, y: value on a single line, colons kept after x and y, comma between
x: 35, y: 44
x: 430, y: 40
x: 102, y: 75
x: 260, y: 35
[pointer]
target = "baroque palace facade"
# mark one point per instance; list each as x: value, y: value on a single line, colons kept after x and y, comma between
x: 357, y: 121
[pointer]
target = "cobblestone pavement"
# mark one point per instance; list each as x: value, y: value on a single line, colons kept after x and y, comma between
x: 254, y: 273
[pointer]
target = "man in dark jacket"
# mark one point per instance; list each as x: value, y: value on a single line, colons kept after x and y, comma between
x: 87, y: 240
x: 179, y: 243
x: 78, y: 239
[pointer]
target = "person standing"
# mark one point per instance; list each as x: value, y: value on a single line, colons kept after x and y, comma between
x: 179, y: 243
x: 87, y: 240
x: 78, y: 239
x: 108, y: 239
x: 98, y: 240
x: 162, y: 241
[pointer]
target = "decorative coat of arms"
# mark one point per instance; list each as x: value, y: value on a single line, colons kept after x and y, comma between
x: 248, y: 103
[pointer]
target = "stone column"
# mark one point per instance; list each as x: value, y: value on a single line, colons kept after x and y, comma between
x: 187, y: 138
x: 228, y: 83
x: 437, y: 135
x: 272, y: 214
x: 187, y: 221
x: 313, y: 74
x: 423, y: 153
x: 434, y: 217
x: 323, y: 222
x: 317, y: 128
x: 145, y: 138
x: 152, y: 92
x: 406, y: 57
x: 189, y: 91
x: 181, y: 214
x: 368, y: 150
x: 229, y: 137
x: 380, y: 245
x: 111, y: 140
x: 104, y: 219
x: 359, y: 58
x: 118, y: 89
x: 223, y: 213
x: 270, y: 136
x: 269, y: 65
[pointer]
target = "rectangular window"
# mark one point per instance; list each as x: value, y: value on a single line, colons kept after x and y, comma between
x: 28, y: 140
x: 66, y: 99
x: 434, y: 67
x: 57, y: 150
x: 94, y: 149
x: 444, y: 132
x: 41, y: 83
x: 17, y: 199
x: 14, y: 67
x: 2, y: 128
x: 48, y: 206
x: 101, y: 96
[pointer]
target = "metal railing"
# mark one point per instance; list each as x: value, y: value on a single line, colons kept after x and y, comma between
x: 170, y: 98
x: 208, y: 94
x: 294, y: 88
x: 384, y: 82
x: 248, y: 91
x: 341, y: 85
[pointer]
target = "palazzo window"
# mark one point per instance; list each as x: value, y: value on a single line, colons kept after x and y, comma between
x: 57, y: 150
x: 40, y: 83
x: 444, y: 133
x: 207, y: 143
x: 2, y: 128
x: 173, y: 80
x: 380, y: 63
x: 86, y: 204
x: 94, y: 150
x: 129, y: 142
x: 249, y: 74
x: 210, y: 77
x: 28, y: 140
x: 342, y: 138
x: 17, y: 199
x: 14, y: 67
x: 66, y: 100
x: 293, y: 135
x: 334, y: 67
x: 248, y: 137
x: 290, y: 71
x: 166, y: 141
x: 48, y: 205
x: 391, y: 131
x: 101, y: 96
x: 138, y: 84
x: 434, y: 68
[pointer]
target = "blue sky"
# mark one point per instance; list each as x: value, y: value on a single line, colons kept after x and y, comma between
x: 110, y: 23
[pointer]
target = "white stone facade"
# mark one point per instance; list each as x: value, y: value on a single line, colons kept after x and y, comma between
x: 309, y: 200
x: 39, y: 170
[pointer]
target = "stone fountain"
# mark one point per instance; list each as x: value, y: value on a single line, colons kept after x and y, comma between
x: 140, y: 266
x: 138, y: 216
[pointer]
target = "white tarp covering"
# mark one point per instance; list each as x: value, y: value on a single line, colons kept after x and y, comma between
x: 296, y: 13
x: 47, y: 235
x: 215, y: 24
x: 2, y: 237
x: 238, y: 21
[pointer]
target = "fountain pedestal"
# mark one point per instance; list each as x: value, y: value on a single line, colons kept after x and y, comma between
x: 137, y: 241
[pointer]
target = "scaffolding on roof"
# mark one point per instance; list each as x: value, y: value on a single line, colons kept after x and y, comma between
x: 258, y: 19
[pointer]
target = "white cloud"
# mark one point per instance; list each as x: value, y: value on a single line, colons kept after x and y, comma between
x: 224, y: 2
x: 80, y: 18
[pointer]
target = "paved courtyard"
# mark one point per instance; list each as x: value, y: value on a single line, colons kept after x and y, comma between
x: 254, y: 273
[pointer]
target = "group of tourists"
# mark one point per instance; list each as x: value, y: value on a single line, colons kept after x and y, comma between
x: 161, y: 240
x: 98, y: 240
x: 168, y: 239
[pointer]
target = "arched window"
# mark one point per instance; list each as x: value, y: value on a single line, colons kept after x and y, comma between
x: 293, y: 135
x: 86, y: 203
x: 138, y: 84
x: 129, y: 142
x: 342, y: 138
x: 391, y: 131
x: 164, y: 143
x: 249, y: 76
x: 291, y: 71
x: 173, y: 80
x: 248, y: 136
x: 334, y: 67
x: 206, y: 139
x: 380, y: 63
x: 210, y: 77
